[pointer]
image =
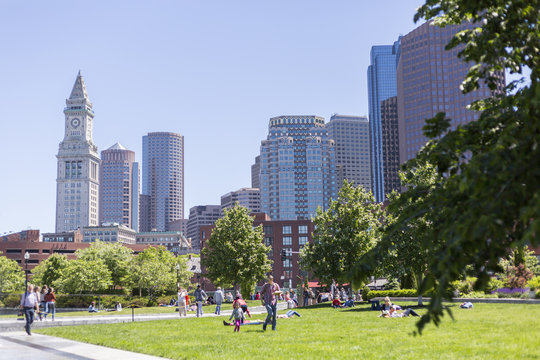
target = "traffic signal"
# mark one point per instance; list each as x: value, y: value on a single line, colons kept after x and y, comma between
x: 283, y: 255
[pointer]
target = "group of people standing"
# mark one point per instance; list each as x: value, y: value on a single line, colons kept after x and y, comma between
x: 37, y: 300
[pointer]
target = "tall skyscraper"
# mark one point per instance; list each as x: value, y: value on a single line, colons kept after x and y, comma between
x: 351, y: 136
x: 297, y: 167
x: 199, y: 216
x: 428, y: 80
x: 390, y: 145
x: 249, y: 198
x: 255, y: 172
x: 119, y: 187
x: 163, y: 180
x: 381, y: 86
x: 77, y: 182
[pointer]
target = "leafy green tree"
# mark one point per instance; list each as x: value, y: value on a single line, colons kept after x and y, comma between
x: 50, y: 270
x: 235, y: 253
x: 84, y: 276
x: 402, y: 250
x: 11, y: 275
x: 343, y: 233
x: 154, y: 269
x: 488, y: 198
x: 116, y: 256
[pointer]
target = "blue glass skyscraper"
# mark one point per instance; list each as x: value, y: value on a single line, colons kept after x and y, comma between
x: 382, y: 85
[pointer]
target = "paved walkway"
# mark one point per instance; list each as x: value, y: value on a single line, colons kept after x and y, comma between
x: 17, y: 345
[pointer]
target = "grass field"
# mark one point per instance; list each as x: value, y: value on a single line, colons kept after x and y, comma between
x: 488, y: 331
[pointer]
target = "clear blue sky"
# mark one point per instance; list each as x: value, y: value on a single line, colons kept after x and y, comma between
x: 213, y: 71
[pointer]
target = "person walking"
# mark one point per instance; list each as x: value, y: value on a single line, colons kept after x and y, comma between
x: 218, y: 298
x: 268, y: 294
x: 43, y: 303
x: 50, y: 303
x: 200, y: 296
x: 29, y: 302
x: 182, y: 306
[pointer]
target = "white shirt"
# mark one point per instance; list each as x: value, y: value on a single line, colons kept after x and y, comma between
x: 29, y: 299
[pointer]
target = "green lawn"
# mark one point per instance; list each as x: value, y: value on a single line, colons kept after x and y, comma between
x: 138, y: 311
x: 488, y: 331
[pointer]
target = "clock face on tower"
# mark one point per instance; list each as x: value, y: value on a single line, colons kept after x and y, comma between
x: 75, y: 122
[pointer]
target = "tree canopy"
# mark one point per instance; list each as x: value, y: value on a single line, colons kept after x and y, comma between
x: 84, y: 276
x: 343, y: 233
x: 50, y: 270
x: 11, y: 275
x: 235, y: 253
x: 487, y: 199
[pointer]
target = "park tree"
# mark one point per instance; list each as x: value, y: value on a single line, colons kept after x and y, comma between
x: 50, y: 270
x: 343, y: 233
x: 116, y: 256
x: 11, y: 275
x: 235, y: 254
x: 154, y: 269
x: 84, y: 276
x: 488, y: 195
x: 403, y: 251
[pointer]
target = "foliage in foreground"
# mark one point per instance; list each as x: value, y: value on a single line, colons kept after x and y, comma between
x: 487, y: 200
x: 11, y: 275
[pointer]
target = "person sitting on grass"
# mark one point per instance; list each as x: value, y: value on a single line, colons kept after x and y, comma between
x: 336, y: 303
x: 288, y: 315
x: 92, y: 308
x: 349, y: 303
x: 238, y: 315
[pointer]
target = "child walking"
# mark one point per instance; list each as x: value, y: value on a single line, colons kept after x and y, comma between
x: 238, y: 315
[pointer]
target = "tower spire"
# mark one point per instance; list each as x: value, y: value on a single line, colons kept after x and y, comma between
x: 79, y: 89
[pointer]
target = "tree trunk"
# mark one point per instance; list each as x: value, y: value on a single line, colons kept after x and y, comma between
x: 419, y: 278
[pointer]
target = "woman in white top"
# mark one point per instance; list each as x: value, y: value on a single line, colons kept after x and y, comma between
x: 182, y: 302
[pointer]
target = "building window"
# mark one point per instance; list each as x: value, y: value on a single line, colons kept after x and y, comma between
x: 302, y: 229
x: 287, y: 229
x: 287, y: 263
x: 302, y: 240
x: 267, y: 230
x: 268, y: 241
x: 287, y: 240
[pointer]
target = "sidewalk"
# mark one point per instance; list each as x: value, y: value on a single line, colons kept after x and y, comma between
x: 18, y: 345
x: 18, y: 325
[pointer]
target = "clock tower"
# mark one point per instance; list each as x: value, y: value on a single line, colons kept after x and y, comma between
x: 77, y: 181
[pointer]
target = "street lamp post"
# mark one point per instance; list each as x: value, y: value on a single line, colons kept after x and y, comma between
x: 178, y: 286
x: 26, y: 257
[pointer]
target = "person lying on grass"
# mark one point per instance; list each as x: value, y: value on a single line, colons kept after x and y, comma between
x: 393, y: 313
x: 288, y: 315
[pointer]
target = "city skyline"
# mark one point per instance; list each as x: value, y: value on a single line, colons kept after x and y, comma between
x: 214, y: 79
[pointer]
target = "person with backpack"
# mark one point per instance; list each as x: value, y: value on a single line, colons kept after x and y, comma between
x: 200, y: 297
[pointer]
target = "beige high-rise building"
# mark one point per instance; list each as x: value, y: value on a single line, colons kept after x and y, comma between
x: 77, y: 182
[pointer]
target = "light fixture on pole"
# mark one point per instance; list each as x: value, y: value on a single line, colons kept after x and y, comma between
x: 26, y: 257
x: 178, y: 287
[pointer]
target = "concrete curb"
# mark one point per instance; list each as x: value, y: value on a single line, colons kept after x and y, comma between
x: 473, y: 300
x: 18, y: 325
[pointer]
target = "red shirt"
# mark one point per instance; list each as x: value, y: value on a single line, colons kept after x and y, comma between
x: 336, y: 302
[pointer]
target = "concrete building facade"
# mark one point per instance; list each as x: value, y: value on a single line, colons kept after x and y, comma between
x: 351, y: 136
x: 249, y: 198
x: 199, y: 216
x: 109, y: 232
x: 119, y: 200
x: 163, y: 180
x: 174, y: 241
x: 298, y: 171
x: 77, y: 182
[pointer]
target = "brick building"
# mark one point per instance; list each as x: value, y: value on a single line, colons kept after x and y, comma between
x: 287, y: 235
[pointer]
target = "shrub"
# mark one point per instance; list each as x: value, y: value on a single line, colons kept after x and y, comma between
x: 70, y: 301
x: 494, y: 284
x: 365, y: 293
x: 138, y: 301
x: 534, y: 283
x: 392, y: 284
x: 391, y: 293
x: 537, y: 294
x: 480, y: 295
x: 109, y: 301
x: 12, y: 300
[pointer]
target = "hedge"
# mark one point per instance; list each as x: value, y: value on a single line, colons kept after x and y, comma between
x: 391, y: 293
